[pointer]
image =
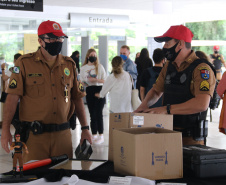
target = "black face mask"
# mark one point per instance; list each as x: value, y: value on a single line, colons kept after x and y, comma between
x: 170, y: 53
x: 216, y: 52
x: 53, y: 48
x: 92, y: 59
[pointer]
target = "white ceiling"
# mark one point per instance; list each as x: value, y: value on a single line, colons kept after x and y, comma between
x: 140, y: 12
x: 105, y: 4
x: 144, y: 5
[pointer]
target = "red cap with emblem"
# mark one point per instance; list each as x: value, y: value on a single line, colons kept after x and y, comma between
x: 178, y: 32
x: 51, y: 27
x: 216, y: 47
x: 17, y: 135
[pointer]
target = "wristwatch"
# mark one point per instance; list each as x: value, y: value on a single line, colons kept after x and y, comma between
x: 168, y: 108
x: 85, y: 127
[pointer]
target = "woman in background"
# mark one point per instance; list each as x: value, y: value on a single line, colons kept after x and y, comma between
x: 75, y: 57
x: 143, y: 62
x: 92, y: 75
x: 119, y: 86
x: 137, y: 56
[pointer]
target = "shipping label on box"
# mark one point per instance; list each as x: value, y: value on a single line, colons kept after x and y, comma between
x: 151, y: 120
x: 138, y: 120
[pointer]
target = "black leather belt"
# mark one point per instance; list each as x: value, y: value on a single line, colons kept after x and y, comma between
x: 38, y: 128
x: 186, y: 132
x: 189, y: 132
x: 55, y: 127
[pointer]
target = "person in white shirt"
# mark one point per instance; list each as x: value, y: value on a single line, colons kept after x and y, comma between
x: 119, y: 86
x: 6, y: 73
x: 92, y: 76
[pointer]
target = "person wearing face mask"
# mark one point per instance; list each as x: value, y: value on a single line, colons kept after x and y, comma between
x: 128, y: 65
x: 75, y: 57
x: 93, y: 75
x: 186, y: 82
x: 217, y: 60
x: 46, y: 83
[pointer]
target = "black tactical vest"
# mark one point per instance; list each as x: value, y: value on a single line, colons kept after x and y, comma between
x: 18, y: 150
x: 177, y: 90
x: 217, y: 62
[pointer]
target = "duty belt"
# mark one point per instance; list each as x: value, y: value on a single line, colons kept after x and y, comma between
x: 186, y: 132
x: 198, y: 133
x: 38, y: 128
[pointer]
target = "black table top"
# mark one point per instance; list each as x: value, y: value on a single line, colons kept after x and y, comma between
x: 102, y: 173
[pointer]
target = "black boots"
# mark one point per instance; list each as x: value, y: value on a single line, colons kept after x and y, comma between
x: 14, y: 172
x: 21, y: 172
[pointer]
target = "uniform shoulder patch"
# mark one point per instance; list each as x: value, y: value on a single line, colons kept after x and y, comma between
x: 13, y: 84
x: 205, y: 72
x: 204, y: 67
x: 204, y: 86
x: 16, y: 69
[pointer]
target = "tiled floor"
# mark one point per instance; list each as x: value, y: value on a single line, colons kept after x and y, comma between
x: 215, y: 139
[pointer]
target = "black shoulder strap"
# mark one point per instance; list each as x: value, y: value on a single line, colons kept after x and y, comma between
x: 195, y: 63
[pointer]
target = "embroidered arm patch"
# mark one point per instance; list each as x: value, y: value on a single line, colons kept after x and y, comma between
x: 205, y: 73
x: 81, y: 88
x: 204, y: 86
x: 13, y: 84
x: 16, y: 69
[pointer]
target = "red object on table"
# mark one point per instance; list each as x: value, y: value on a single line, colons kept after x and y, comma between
x: 44, y: 162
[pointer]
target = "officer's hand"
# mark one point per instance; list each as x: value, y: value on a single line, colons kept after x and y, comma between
x: 157, y: 110
x: 141, y: 108
x: 86, y: 135
x: 6, y: 139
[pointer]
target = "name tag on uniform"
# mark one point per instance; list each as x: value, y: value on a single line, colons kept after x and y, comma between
x: 34, y: 74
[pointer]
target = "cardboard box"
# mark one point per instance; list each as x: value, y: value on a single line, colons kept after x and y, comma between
x: 134, y: 120
x: 152, y: 153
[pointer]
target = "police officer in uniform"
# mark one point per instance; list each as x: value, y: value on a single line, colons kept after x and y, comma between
x: 17, y: 146
x: 186, y: 83
x: 217, y: 60
x: 46, y: 83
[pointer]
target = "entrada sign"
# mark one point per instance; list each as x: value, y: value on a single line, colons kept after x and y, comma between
x: 82, y: 20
